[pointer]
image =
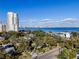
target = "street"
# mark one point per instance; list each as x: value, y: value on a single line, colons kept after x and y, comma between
x: 50, y: 55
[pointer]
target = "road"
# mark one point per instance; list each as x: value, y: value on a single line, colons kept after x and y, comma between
x: 50, y: 55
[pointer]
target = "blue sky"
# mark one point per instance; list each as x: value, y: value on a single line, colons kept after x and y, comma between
x: 53, y: 13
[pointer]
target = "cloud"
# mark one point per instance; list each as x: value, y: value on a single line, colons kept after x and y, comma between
x: 51, y: 20
x: 67, y: 20
x: 29, y: 20
x: 72, y: 22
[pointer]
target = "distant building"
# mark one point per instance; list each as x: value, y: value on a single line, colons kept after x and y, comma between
x: 64, y: 34
x: 13, y: 22
x: 4, y: 28
x: 0, y: 27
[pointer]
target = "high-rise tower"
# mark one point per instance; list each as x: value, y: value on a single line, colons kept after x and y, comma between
x: 12, y: 22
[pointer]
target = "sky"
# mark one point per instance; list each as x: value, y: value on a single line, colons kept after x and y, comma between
x: 42, y: 13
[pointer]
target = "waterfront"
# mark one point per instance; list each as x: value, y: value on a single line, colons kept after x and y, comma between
x: 59, y: 29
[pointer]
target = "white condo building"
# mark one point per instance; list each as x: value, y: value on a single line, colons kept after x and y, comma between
x: 0, y: 27
x: 13, y: 22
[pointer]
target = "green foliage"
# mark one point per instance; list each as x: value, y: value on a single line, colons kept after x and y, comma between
x: 42, y: 42
x: 69, y: 54
x: 39, y: 33
x: 74, y: 34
